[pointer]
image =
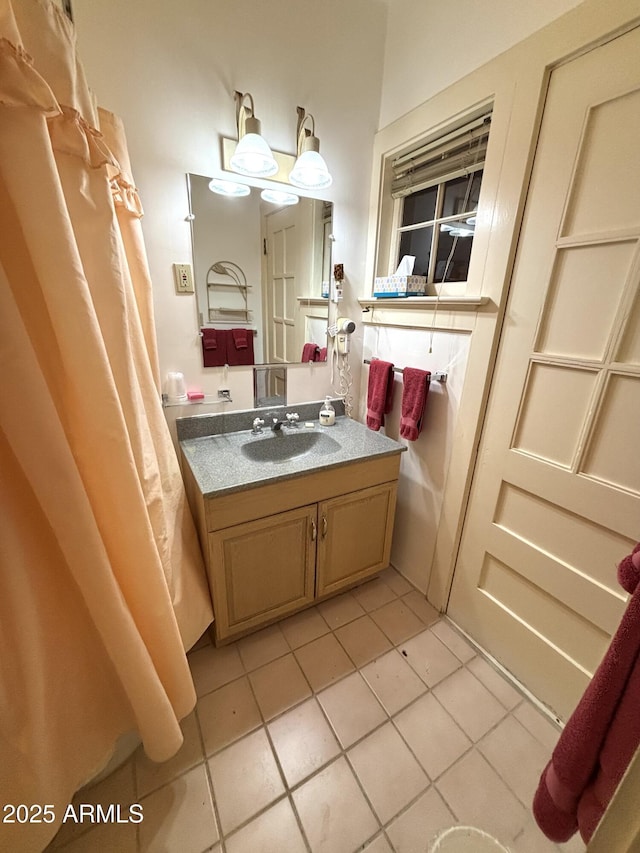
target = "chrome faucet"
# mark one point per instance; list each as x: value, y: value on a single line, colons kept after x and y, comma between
x: 274, y: 420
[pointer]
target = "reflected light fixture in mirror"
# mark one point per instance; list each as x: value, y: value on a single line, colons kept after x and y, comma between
x: 230, y: 188
x: 310, y: 171
x: 278, y: 197
x: 252, y: 156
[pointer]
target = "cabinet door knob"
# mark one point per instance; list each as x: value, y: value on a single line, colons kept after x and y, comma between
x: 324, y: 525
x: 313, y: 530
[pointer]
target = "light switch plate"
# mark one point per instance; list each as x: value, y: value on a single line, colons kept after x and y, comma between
x: 183, y: 278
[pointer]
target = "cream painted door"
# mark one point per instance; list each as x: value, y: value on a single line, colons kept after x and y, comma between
x: 555, y: 501
x: 281, y: 292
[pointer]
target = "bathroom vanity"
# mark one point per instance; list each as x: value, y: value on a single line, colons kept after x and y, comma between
x: 289, y: 518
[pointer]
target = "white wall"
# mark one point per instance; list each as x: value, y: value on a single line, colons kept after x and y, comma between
x: 169, y: 69
x: 431, y: 44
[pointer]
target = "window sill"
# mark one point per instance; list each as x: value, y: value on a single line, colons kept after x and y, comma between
x: 456, y: 313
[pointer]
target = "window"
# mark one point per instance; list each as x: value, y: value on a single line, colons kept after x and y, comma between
x: 438, y: 184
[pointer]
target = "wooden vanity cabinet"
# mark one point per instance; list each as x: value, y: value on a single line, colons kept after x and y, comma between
x: 275, y: 549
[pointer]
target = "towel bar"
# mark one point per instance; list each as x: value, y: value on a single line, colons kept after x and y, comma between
x: 439, y: 376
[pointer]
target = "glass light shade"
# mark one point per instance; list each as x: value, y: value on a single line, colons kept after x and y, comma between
x: 253, y: 157
x: 279, y: 197
x: 230, y: 188
x: 310, y: 172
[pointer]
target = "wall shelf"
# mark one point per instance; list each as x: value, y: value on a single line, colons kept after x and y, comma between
x: 449, y: 313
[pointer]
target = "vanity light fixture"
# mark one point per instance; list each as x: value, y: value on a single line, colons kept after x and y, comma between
x: 229, y: 188
x: 252, y: 156
x: 310, y: 171
x: 278, y: 197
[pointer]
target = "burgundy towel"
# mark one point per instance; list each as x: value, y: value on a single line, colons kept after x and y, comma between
x: 214, y: 347
x: 602, y: 734
x: 240, y: 337
x: 309, y: 352
x: 415, y: 387
x: 322, y: 354
x: 240, y: 347
x: 380, y: 393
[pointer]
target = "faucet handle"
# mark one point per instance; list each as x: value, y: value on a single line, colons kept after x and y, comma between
x: 293, y: 417
x: 258, y: 423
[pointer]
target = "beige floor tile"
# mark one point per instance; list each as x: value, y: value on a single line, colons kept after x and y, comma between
x: 505, y: 692
x: 398, y: 621
x: 179, y: 818
x: 352, y: 709
x: 340, y: 610
x: 395, y: 581
x: 363, y: 640
x: 227, y: 714
x: 303, y: 741
x: 454, y: 641
x: 212, y: 667
x: 151, y: 775
x: 304, y: 627
x: 412, y: 831
x: 517, y: 756
x: 262, y: 647
x: 434, y: 738
x: 532, y: 840
x: 323, y: 661
x: 114, y: 837
x: 430, y: 658
x: 470, y: 704
x: 388, y: 772
x: 279, y: 686
x: 421, y: 607
x: 335, y: 815
x: 274, y: 831
x: 393, y: 681
x: 378, y: 845
x: 245, y: 779
x: 538, y: 724
x: 373, y: 594
x: 574, y: 845
x: 477, y: 796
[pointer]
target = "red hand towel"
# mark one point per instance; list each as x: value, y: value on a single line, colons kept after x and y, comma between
x: 322, y: 354
x: 601, y: 735
x: 214, y: 347
x: 240, y: 352
x: 415, y: 387
x: 309, y: 352
x: 380, y: 393
x: 240, y: 338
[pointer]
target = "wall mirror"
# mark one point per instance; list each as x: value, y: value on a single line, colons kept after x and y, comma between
x: 261, y: 268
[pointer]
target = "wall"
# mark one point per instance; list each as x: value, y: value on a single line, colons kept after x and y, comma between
x: 449, y: 42
x: 169, y: 70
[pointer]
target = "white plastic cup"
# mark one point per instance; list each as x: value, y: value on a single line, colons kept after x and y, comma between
x: 176, y: 387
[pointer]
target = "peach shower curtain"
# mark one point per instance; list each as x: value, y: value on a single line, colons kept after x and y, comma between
x: 101, y: 581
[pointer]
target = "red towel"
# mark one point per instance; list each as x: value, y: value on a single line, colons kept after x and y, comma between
x: 309, y: 352
x: 321, y: 354
x: 380, y: 393
x: 240, y: 347
x: 602, y: 734
x: 214, y: 347
x: 415, y: 387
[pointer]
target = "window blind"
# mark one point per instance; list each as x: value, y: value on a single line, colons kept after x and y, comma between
x: 452, y: 155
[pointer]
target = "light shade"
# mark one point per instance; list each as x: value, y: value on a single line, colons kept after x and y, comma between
x: 230, y: 188
x: 310, y: 172
x: 279, y: 197
x: 253, y: 157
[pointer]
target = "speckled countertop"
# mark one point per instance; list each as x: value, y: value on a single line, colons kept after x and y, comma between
x: 220, y: 467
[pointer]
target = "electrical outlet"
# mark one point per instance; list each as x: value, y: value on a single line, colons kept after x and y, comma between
x: 183, y: 277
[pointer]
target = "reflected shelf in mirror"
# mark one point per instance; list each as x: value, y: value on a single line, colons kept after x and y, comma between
x: 284, y: 254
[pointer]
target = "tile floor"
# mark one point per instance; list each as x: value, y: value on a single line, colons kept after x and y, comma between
x: 366, y: 723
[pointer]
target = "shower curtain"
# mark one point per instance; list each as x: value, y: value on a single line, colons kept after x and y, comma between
x: 102, y: 586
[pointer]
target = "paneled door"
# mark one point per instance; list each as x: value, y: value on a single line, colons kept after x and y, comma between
x: 282, y: 304
x: 555, y: 501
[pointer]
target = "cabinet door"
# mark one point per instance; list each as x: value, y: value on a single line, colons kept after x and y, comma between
x: 354, y: 539
x: 262, y: 570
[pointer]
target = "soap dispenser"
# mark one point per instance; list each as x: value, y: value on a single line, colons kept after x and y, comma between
x: 327, y: 413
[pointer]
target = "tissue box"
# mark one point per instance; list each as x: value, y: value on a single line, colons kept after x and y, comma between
x: 400, y: 285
